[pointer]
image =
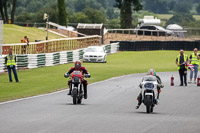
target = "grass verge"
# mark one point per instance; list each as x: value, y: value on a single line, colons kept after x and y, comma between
x: 14, y: 34
x: 49, y: 79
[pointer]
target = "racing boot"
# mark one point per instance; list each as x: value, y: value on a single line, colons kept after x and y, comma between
x: 139, y: 98
x: 85, y: 91
x: 70, y: 90
x: 137, y: 107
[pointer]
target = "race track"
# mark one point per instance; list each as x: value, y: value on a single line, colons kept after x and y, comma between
x: 110, y: 108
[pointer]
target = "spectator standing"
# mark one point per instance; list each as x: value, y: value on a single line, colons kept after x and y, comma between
x: 24, y: 47
x: 194, y: 60
x: 181, y: 62
x: 10, y: 61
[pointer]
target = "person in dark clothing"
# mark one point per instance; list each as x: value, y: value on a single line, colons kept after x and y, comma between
x: 10, y: 61
x: 77, y: 66
x: 160, y: 85
x: 181, y: 62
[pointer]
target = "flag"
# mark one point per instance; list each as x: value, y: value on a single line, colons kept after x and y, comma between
x: 190, y: 66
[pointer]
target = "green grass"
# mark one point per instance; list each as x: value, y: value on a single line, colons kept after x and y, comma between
x: 164, y: 16
x: 14, y: 34
x: 197, y: 17
x: 49, y: 79
x: 168, y: 16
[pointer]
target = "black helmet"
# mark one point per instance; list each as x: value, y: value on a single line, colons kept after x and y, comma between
x: 77, y: 64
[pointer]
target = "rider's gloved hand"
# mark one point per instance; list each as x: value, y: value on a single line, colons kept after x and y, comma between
x: 88, y: 75
x: 66, y: 75
x: 161, y: 85
x: 140, y: 85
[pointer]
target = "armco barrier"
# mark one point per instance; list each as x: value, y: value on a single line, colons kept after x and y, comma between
x: 157, y: 45
x: 51, y: 59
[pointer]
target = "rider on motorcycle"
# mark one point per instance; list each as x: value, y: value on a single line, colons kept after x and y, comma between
x: 77, y: 66
x: 160, y: 85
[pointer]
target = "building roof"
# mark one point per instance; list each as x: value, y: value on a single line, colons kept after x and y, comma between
x: 89, y: 26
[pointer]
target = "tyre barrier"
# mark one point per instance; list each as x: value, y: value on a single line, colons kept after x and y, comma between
x: 27, y: 61
x: 157, y: 45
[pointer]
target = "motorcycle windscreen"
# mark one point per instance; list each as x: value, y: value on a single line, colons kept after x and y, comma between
x: 150, y: 78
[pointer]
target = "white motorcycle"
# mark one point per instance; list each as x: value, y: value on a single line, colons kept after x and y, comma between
x: 149, y: 92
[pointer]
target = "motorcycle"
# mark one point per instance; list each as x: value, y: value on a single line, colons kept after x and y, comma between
x: 77, y: 86
x: 149, y: 92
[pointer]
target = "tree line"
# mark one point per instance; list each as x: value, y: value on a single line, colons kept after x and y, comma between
x: 114, y: 13
x: 4, y: 7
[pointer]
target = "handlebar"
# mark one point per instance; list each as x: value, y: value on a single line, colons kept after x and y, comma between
x: 84, y: 76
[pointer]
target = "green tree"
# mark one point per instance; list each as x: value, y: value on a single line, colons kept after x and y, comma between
x: 111, y: 13
x: 198, y: 8
x: 157, y: 6
x: 52, y: 11
x: 182, y: 7
x: 126, y: 8
x: 95, y: 16
x: 112, y: 24
x: 181, y: 19
x: 80, y: 5
x: 79, y: 17
x: 62, y: 15
x: 6, y: 5
x: 13, y: 11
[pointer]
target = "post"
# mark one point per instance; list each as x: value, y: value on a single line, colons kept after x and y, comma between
x: 1, y: 36
x: 47, y: 27
x: 46, y: 17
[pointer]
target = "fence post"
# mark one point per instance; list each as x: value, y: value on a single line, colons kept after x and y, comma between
x: 1, y: 36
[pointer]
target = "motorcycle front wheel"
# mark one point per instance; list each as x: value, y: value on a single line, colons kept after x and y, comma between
x: 79, y: 101
x: 74, y: 93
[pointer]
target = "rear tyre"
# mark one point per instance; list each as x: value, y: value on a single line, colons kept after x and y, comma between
x: 74, y: 93
x: 148, y: 109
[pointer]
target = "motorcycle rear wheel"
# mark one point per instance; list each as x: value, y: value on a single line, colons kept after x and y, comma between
x: 148, y: 109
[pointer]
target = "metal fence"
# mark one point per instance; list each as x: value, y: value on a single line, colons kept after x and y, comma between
x: 54, y: 45
x: 143, y: 34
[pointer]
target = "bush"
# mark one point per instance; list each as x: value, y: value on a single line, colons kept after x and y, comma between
x: 181, y: 19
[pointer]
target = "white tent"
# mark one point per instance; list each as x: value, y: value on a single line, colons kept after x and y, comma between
x: 177, y: 29
x: 174, y: 27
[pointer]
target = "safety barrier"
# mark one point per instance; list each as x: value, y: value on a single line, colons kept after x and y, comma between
x: 51, y: 59
x: 54, y: 45
x: 157, y: 45
x: 2, y: 63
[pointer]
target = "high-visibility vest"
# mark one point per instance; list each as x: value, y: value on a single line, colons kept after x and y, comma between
x: 9, y: 61
x: 185, y: 59
x: 194, y: 59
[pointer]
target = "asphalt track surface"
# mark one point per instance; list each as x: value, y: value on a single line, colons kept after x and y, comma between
x: 110, y: 108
